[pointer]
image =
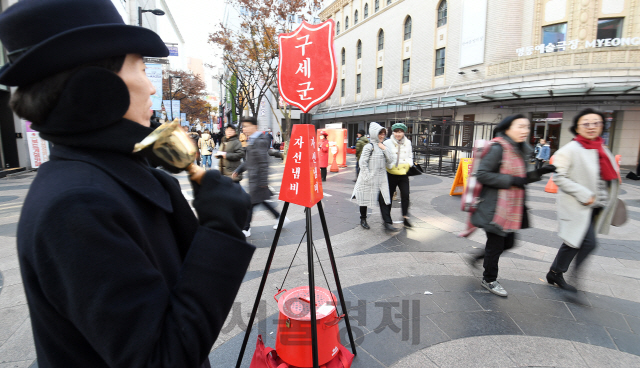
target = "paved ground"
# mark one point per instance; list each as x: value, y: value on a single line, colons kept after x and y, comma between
x: 414, y: 302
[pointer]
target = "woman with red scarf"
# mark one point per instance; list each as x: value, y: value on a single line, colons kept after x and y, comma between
x: 587, y: 176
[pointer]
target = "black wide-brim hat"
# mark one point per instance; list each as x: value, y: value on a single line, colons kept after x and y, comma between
x: 45, y: 37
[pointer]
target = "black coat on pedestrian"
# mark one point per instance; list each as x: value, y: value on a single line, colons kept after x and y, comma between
x: 492, y: 180
x: 256, y: 162
x: 233, y: 157
x: 116, y: 269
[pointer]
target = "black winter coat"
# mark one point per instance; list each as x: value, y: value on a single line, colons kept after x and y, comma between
x: 233, y: 158
x: 256, y: 162
x: 492, y: 180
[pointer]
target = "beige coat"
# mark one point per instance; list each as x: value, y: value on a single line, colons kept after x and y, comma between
x: 202, y: 144
x: 577, y: 174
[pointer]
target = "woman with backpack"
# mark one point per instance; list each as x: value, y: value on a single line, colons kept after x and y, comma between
x: 588, y: 180
x: 372, y: 185
x: 205, y: 144
x: 502, y: 211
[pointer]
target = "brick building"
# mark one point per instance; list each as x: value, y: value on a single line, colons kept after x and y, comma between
x: 421, y: 61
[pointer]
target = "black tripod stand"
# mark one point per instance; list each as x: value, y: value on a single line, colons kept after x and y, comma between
x: 312, y: 294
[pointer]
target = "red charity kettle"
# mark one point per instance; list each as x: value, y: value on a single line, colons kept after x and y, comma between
x: 293, y: 339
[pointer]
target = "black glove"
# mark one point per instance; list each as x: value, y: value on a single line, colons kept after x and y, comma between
x: 519, y: 182
x: 221, y: 204
x: 546, y: 169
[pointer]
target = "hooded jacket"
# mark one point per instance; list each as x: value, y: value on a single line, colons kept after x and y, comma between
x: 373, y: 174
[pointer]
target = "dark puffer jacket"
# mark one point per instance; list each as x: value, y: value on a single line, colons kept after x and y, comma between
x: 492, y: 180
x: 232, y: 159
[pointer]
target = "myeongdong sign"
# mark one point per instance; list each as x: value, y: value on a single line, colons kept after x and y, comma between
x: 574, y: 44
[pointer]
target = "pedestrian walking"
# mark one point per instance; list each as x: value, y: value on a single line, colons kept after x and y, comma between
x: 362, y: 141
x: 230, y: 153
x: 195, y: 137
x: 399, y: 148
x: 270, y: 138
x: 544, y: 154
x: 242, y: 137
x: 372, y: 186
x: 205, y: 144
x: 502, y: 210
x: 323, y: 154
x: 117, y: 269
x: 278, y: 141
x: 588, y: 184
x: 256, y: 162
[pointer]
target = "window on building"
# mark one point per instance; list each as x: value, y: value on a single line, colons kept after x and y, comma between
x: 380, y: 40
x: 388, y: 2
x: 407, y: 28
x: 554, y: 33
x: 366, y: 11
x: 442, y: 13
x: 377, y: 6
x: 440, y: 61
x: 355, y: 18
x: 342, y: 87
x: 338, y: 28
x: 406, y: 65
x: 346, y: 23
x: 358, y: 80
x: 609, y: 28
x: 359, y: 53
x: 379, y: 86
x: 343, y: 56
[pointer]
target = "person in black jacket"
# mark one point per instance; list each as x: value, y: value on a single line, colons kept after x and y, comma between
x: 117, y: 269
x: 503, y: 173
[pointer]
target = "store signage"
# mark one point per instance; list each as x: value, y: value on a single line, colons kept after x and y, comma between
x: 574, y: 44
x: 307, y: 72
x: 154, y: 73
x: 173, y: 49
x: 38, y: 147
x: 474, y: 26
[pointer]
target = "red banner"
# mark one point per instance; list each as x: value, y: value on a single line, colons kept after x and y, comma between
x: 301, y: 183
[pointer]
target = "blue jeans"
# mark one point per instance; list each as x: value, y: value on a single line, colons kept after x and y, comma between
x: 206, y: 161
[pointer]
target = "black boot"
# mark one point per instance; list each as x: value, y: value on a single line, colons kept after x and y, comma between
x: 558, y: 279
x: 389, y: 227
x: 407, y: 223
x: 363, y: 223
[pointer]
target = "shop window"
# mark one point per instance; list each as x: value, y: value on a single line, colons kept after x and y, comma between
x: 377, y: 7
x: 442, y: 13
x: 609, y: 128
x: 337, y: 28
x: 346, y: 23
x: 406, y: 64
x: 554, y: 33
x: 359, y: 53
x: 379, y: 84
x: 407, y: 28
x: 358, y: 81
x: 609, y: 28
x: 381, y: 40
x: 366, y: 11
x: 440, y: 54
x: 343, y: 56
x: 355, y: 18
x: 342, y: 87
x: 548, y: 126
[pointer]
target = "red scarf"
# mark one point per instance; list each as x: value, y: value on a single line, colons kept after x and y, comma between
x: 607, y: 172
x: 510, y: 204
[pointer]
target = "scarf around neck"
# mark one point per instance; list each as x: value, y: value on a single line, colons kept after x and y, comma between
x: 607, y: 172
x: 510, y: 204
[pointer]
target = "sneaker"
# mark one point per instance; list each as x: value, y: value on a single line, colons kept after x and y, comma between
x: 247, y: 233
x: 494, y: 287
x: 285, y: 223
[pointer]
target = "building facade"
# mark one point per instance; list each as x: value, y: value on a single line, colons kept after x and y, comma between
x: 422, y: 61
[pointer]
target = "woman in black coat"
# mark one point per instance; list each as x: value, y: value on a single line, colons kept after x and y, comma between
x: 117, y: 270
x: 501, y: 212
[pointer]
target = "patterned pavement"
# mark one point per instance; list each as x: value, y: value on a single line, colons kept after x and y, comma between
x: 414, y: 301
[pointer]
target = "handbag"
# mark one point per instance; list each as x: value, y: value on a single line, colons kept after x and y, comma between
x: 266, y: 357
x: 414, y: 170
x: 620, y: 215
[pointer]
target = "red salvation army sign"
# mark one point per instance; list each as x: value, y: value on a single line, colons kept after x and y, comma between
x: 307, y: 73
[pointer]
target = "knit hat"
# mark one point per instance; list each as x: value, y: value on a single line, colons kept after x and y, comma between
x: 505, y: 124
x: 399, y: 126
x: 582, y: 113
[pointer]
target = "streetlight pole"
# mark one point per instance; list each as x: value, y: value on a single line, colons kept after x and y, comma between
x: 152, y: 11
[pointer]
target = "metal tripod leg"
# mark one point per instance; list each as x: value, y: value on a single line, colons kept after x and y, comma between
x: 335, y: 275
x: 312, y: 290
x: 267, y: 267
